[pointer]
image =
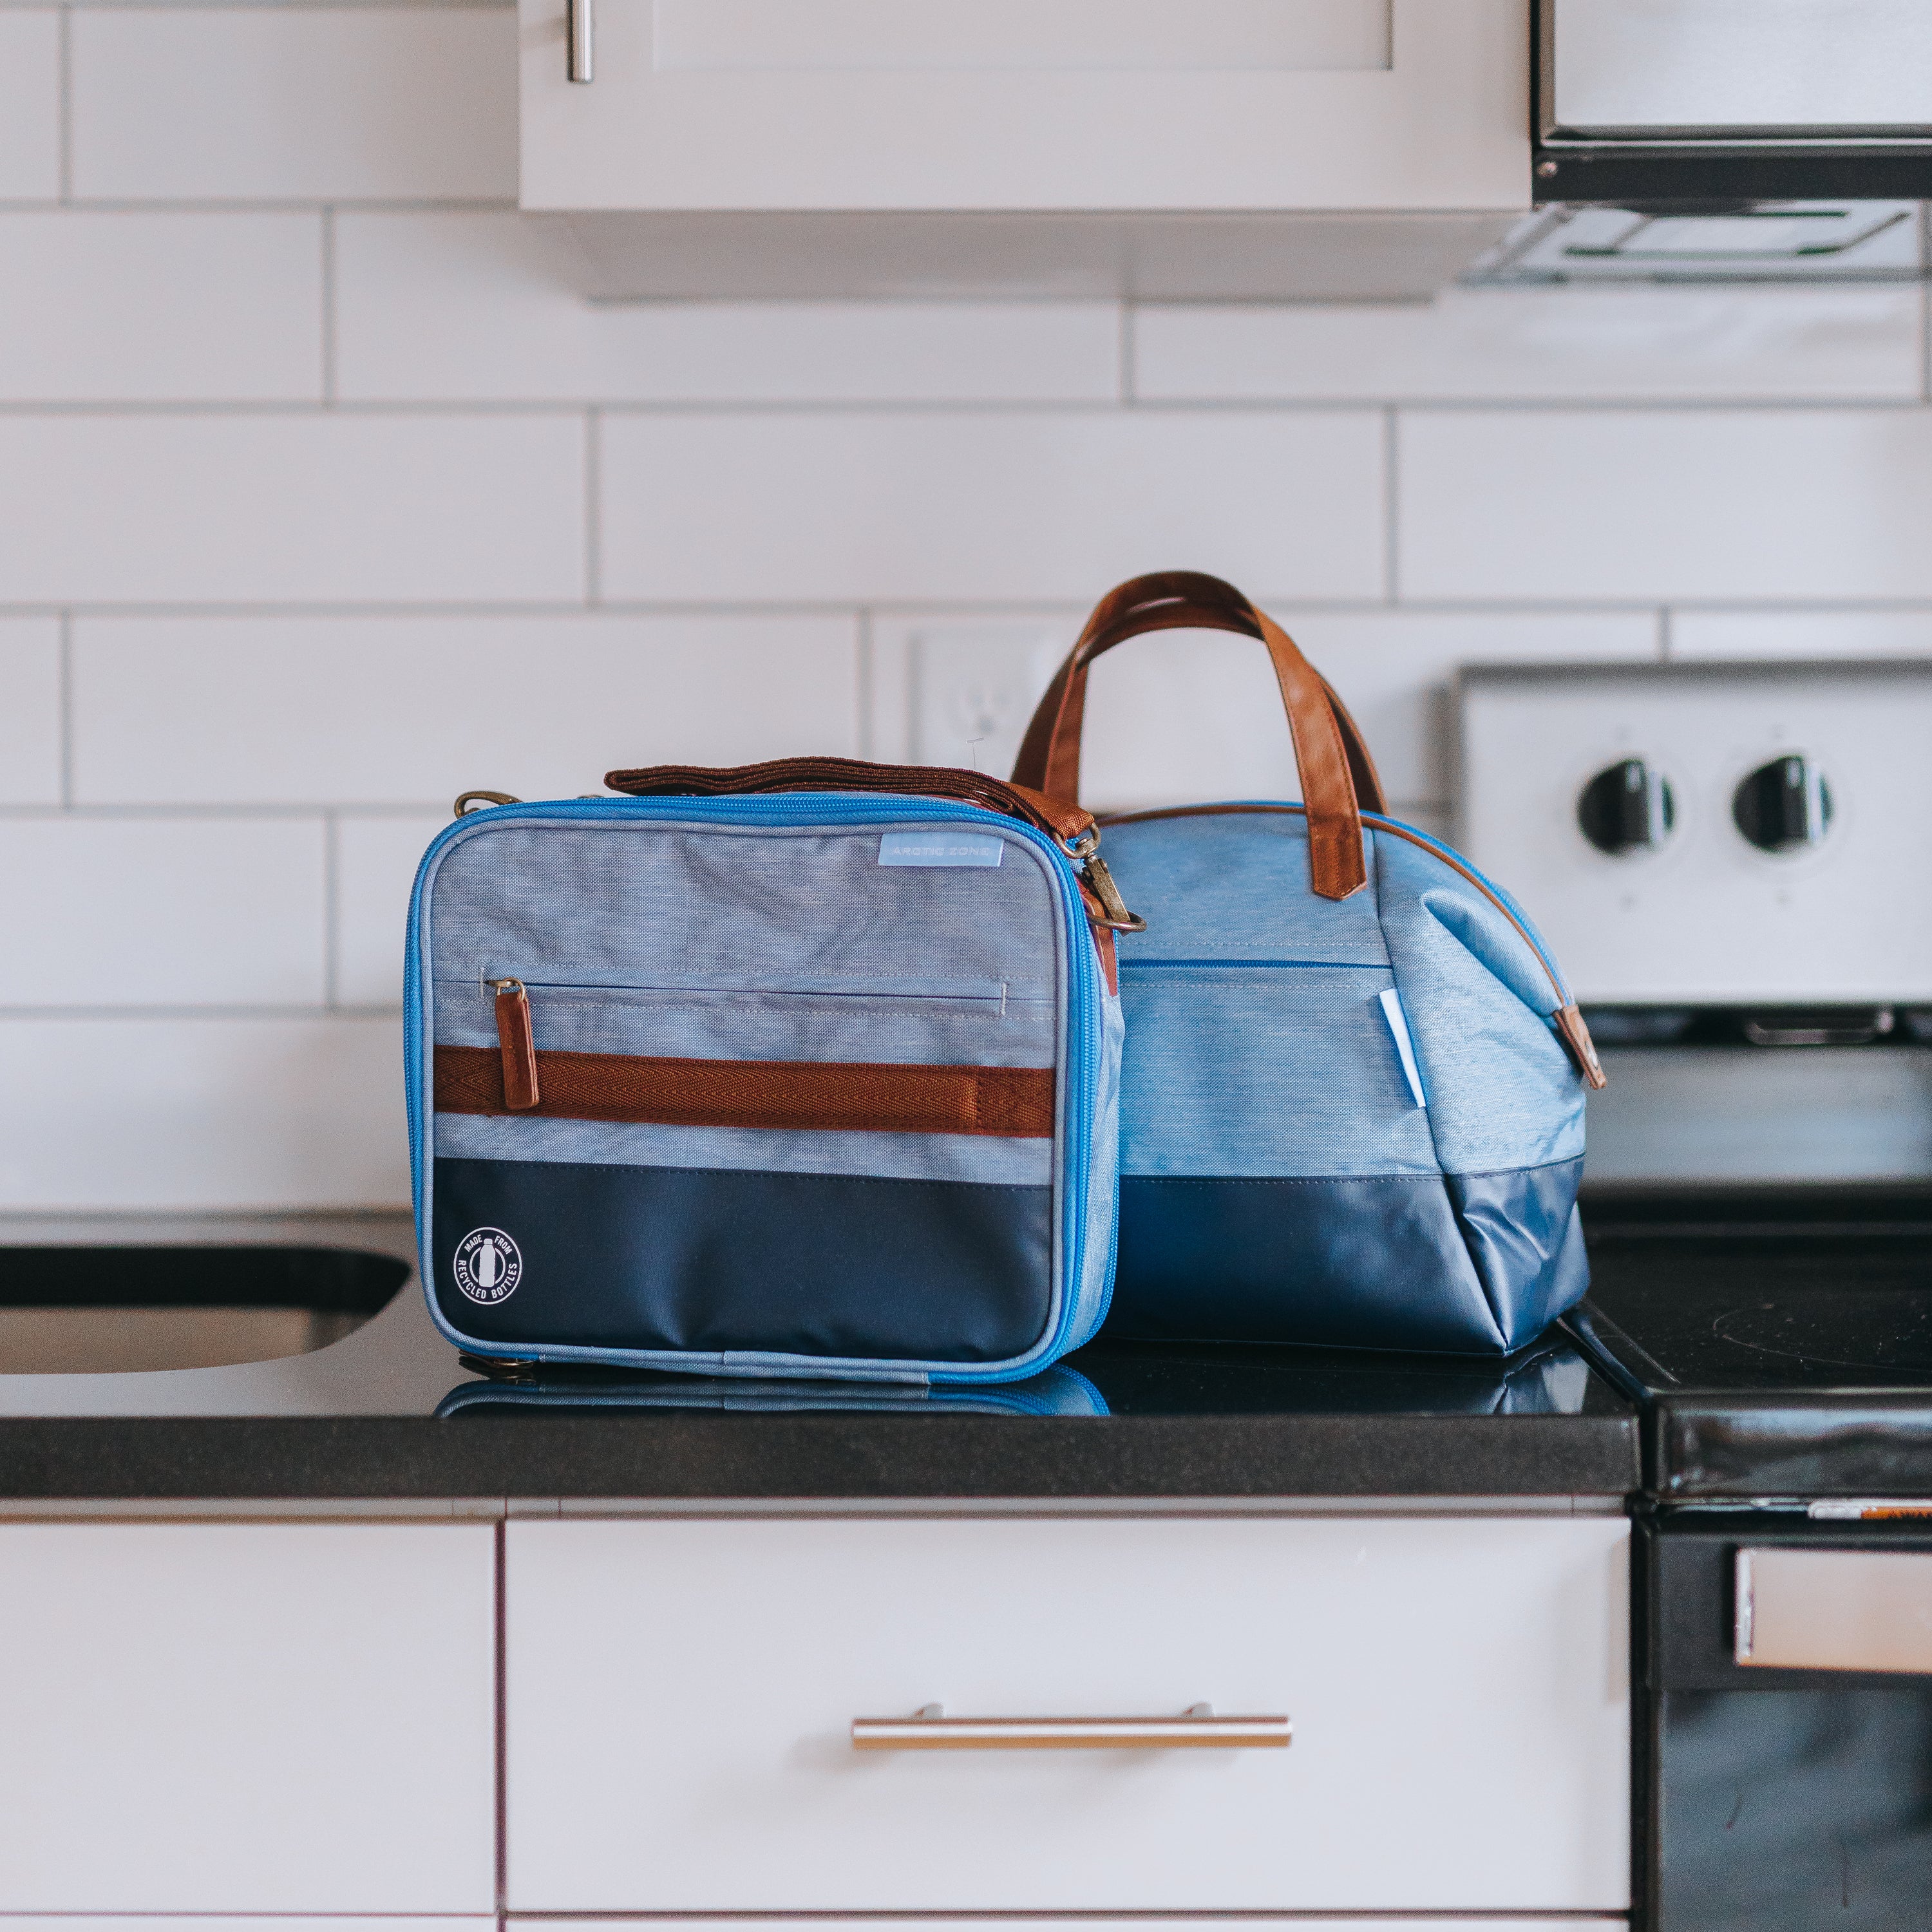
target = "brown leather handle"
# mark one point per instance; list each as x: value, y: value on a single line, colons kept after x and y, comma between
x: 1338, y: 776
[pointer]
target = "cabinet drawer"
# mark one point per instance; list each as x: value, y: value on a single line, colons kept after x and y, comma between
x: 258, y: 1717
x: 681, y: 1694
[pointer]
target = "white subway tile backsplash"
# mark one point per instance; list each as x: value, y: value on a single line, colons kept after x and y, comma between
x: 1718, y: 506
x: 30, y: 711
x: 261, y: 104
x: 240, y: 442
x: 183, y: 1112
x: 375, y: 861
x: 103, y: 508
x: 1181, y: 717
x: 1634, y: 344
x: 148, y: 912
x: 992, y: 505
x: 29, y: 104
x: 161, y: 307
x: 393, y: 711
x: 1801, y: 634
x: 462, y: 305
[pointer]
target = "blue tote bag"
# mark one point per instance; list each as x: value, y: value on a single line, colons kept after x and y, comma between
x: 1353, y: 1086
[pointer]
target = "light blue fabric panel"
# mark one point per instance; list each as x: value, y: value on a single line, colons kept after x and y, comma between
x: 987, y: 1158
x: 562, y: 903
x: 1502, y: 1092
x: 1259, y: 1071
x: 1001, y: 1028
x: 1103, y: 1194
x: 1234, y: 885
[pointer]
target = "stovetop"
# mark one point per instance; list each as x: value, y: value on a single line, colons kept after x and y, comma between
x: 1780, y: 1340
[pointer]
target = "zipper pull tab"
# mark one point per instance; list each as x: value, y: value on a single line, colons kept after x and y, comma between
x: 519, y: 1042
x: 1093, y: 868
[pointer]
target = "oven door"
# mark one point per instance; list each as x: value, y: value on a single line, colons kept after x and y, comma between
x: 1788, y: 1666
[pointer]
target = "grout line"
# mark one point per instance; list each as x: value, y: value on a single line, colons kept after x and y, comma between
x: 593, y: 507
x: 242, y: 204
x: 1129, y: 373
x: 1925, y: 306
x: 1667, y: 648
x: 186, y: 1010
x: 66, y: 711
x: 331, y: 910
x: 431, y: 407
x: 866, y: 734
x: 329, y: 381
x: 1054, y: 608
x: 193, y: 811
x: 66, y: 108
x: 1391, y: 532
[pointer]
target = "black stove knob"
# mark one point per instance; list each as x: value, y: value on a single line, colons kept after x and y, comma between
x: 1627, y: 807
x: 1783, y: 806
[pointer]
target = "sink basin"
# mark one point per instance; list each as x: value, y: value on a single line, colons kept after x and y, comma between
x: 106, y: 1310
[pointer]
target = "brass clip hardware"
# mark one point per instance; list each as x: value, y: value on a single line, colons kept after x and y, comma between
x: 465, y: 799
x: 1087, y: 849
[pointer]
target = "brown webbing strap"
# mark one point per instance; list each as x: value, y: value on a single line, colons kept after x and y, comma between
x: 1013, y: 1102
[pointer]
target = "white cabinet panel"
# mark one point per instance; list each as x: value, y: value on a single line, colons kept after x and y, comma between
x: 856, y: 105
x: 1569, y: 1922
x: 679, y: 1695
x: 257, y: 1717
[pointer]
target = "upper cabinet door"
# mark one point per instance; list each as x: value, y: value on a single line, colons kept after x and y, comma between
x: 1026, y: 105
x: 248, y: 1718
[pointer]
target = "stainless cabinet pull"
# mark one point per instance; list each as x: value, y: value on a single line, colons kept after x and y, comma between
x: 1834, y: 1609
x: 1197, y: 1729
x: 578, y: 28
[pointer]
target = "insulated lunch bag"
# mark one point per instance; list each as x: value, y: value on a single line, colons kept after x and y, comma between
x: 1352, y: 1096
x: 800, y: 1069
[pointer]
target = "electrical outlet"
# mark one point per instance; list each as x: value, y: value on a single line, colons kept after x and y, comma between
x: 973, y: 686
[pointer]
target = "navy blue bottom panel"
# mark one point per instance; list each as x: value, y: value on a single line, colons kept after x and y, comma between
x: 1470, y: 1265
x: 712, y: 1259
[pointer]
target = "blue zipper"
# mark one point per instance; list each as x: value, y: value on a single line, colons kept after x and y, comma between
x: 832, y: 808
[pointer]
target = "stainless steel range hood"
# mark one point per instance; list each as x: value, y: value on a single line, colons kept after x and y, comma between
x: 1704, y: 241
x: 1727, y: 140
x: 1641, y: 101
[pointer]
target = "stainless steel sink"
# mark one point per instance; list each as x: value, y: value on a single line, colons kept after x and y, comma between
x: 104, y: 1310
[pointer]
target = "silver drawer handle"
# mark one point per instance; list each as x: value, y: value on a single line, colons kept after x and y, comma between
x: 1196, y: 1728
x: 578, y: 30
x: 1834, y: 1609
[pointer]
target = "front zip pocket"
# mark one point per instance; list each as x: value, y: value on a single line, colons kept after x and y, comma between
x: 585, y: 1067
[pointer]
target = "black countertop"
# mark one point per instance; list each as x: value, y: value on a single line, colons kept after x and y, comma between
x: 389, y: 1412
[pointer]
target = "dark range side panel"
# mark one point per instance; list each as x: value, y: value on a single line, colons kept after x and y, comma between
x: 715, y: 1259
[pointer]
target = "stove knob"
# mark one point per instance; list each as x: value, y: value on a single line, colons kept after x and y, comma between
x: 1627, y: 807
x: 1783, y: 806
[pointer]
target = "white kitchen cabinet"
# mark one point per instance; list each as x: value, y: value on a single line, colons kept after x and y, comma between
x: 247, y: 1717
x: 680, y: 1695
x: 1228, y: 146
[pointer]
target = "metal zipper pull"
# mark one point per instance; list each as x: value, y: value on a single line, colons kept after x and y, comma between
x: 519, y: 1043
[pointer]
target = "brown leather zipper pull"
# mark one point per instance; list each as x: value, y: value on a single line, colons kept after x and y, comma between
x: 1575, y: 1035
x: 519, y: 1042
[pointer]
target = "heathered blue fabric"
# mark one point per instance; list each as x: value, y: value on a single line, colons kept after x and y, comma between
x: 1017, y: 1029
x: 988, y: 1158
x: 562, y: 904
x: 1258, y: 1051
